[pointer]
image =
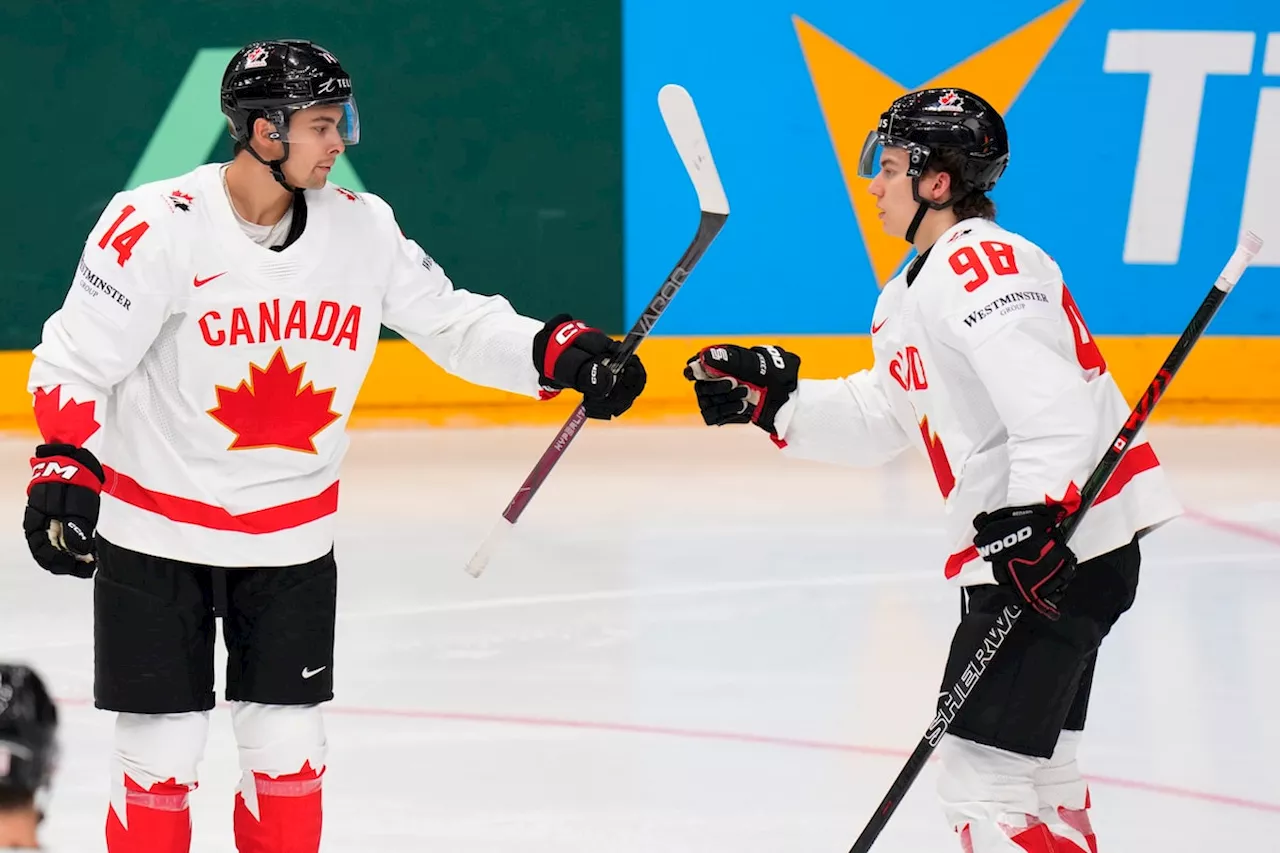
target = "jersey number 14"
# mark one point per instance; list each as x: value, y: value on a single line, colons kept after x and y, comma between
x: 126, y: 240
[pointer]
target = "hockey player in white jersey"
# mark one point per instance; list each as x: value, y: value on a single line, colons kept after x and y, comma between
x: 28, y: 755
x: 193, y: 394
x: 984, y: 364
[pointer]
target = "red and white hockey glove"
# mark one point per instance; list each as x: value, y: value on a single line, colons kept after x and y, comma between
x: 570, y: 354
x: 1027, y: 553
x: 736, y: 385
x: 62, y: 509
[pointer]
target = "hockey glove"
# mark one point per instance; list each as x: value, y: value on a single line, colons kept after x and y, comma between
x: 62, y: 509
x: 570, y: 354
x: 736, y: 385
x: 1027, y: 554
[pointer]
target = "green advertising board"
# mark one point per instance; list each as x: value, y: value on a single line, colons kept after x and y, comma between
x: 492, y: 127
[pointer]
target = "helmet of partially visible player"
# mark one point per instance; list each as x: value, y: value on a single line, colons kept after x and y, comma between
x: 305, y: 98
x: 944, y: 130
x: 28, y: 744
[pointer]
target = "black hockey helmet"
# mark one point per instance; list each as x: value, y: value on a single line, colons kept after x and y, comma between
x: 934, y: 120
x: 275, y: 79
x: 28, y: 730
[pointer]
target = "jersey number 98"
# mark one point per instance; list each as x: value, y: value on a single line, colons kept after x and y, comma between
x: 999, y: 258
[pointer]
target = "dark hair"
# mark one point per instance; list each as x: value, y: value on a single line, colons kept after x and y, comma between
x: 969, y: 204
x: 13, y: 798
x: 242, y: 144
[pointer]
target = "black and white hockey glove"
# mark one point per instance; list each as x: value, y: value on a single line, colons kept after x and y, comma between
x: 62, y: 509
x: 736, y: 385
x: 570, y: 354
x: 1028, y: 554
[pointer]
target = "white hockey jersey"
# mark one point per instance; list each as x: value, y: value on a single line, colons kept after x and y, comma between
x: 984, y: 364
x: 214, y: 377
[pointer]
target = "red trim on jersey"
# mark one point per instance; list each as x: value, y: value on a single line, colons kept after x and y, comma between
x: 956, y: 561
x: 272, y: 519
x: 1139, y: 459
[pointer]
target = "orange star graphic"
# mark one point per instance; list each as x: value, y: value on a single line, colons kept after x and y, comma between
x: 853, y: 93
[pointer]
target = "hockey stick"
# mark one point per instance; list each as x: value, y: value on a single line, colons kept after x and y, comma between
x: 681, y: 118
x: 950, y: 706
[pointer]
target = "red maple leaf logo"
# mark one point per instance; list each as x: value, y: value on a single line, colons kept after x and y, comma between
x: 72, y: 423
x: 938, y: 458
x: 274, y: 409
x: 1070, y: 500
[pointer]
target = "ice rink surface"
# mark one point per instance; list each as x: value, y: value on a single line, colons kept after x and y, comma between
x: 695, y: 644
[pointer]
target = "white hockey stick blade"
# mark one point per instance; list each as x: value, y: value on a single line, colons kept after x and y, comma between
x: 1249, y: 246
x: 681, y: 117
x: 491, y: 543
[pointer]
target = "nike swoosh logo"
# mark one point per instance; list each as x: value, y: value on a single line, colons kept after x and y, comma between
x: 200, y: 282
x: 875, y: 327
x: 307, y: 673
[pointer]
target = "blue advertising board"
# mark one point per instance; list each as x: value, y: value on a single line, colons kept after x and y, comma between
x: 1145, y: 136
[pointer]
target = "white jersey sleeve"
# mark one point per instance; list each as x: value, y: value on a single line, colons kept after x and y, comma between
x: 478, y: 338
x: 848, y: 421
x: 113, y: 312
x: 1010, y: 318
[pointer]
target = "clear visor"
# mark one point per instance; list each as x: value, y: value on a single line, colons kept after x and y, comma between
x: 873, y: 149
x: 323, y: 124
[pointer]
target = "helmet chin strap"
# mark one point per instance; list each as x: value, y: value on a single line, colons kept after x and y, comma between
x: 273, y: 165
x: 915, y: 222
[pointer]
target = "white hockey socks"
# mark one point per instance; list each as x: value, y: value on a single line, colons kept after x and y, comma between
x: 1064, y: 798
x: 989, y: 798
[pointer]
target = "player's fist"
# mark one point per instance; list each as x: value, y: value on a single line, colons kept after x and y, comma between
x: 736, y: 385
x: 570, y: 354
x: 62, y: 508
x: 1027, y: 553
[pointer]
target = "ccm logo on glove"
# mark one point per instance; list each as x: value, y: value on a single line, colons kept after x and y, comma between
x: 62, y: 508
x: 570, y: 354
x: 566, y: 333
x: 53, y: 470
